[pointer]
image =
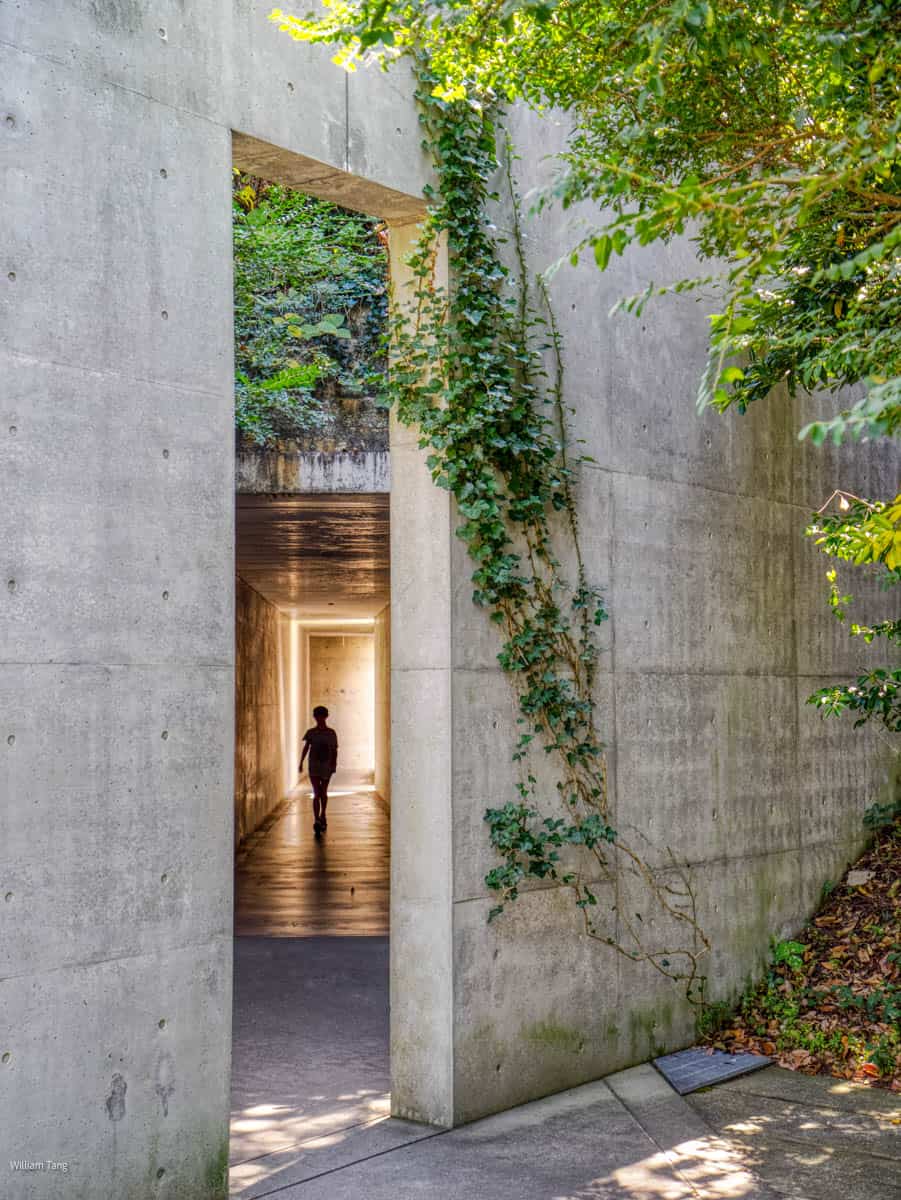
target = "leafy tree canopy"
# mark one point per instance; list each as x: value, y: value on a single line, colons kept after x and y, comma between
x: 768, y: 133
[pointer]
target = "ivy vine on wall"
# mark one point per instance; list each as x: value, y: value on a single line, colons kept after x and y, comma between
x: 469, y: 371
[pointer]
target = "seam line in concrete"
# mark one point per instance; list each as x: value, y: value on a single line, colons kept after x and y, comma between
x: 344, y: 1166
x: 346, y: 123
x: 109, y: 372
x: 703, y: 862
x: 830, y: 1108
x: 667, y: 1154
x: 701, y: 487
x: 225, y: 938
x: 305, y: 1141
x: 670, y: 673
x: 796, y: 1141
x: 76, y: 66
x: 117, y: 666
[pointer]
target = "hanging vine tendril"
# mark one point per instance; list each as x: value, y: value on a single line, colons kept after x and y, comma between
x: 478, y: 369
x: 468, y: 371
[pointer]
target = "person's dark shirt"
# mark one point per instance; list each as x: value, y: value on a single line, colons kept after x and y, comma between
x: 323, y: 747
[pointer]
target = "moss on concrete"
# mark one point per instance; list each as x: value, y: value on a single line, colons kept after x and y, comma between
x: 555, y: 1037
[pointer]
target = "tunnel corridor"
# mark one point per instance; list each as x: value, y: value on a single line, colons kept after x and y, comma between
x: 310, y: 1025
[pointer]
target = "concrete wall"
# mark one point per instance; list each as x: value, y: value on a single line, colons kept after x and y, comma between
x: 116, y: 524
x: 260, y: 709
x: 718, y: 632
x: 342, y: 678
x: 116, y: 638
x: 382, y: 649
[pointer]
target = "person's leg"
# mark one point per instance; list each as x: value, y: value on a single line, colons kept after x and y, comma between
x: 317, y: 800
x: 323, y: 800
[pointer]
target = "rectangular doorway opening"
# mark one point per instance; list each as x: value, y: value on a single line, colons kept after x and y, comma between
x: 310, y: 1052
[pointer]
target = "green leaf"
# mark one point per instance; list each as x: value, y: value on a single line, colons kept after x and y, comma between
x: 602, y: 249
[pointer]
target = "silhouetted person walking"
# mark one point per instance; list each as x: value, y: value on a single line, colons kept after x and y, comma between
x: 322, y: 745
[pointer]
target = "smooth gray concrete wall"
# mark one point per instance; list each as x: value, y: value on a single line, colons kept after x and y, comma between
x: 718, y: 632
x: 382, y: 637
x: 259, y: 710
x: 116, y: 526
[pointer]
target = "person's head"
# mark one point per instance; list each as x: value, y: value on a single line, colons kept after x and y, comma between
x: 320, y: 712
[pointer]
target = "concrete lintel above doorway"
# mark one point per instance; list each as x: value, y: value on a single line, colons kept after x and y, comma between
x: 320, y: 179
x: 280, y: 471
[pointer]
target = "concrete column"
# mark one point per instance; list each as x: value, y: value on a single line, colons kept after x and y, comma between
x: 422, y: 992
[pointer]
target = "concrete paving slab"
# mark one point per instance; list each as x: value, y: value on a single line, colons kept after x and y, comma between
x: 811, y: 1137
x: 710, y: 1165
x: 805, y: 1172
x: 821, y: 1090
x: 816, y: 1124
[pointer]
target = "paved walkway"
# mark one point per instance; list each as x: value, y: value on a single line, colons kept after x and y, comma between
x: 290, y: 884
x: 310, y: 1072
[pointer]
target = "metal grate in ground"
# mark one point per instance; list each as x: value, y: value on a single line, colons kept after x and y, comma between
x: 689, y: 1070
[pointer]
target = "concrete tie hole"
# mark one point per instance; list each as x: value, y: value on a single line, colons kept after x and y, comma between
x: 8, y: 897
x: 13, y: 430
x: 10, y: 585
x: 165, y: 735
x: 165, y: 454
x: 10, y: 122
x: 6, y: 1057
x: 11, y: 277
x: 164, y: 878
x: 164, y: 315
x: 11, y: 740
x: 164, y: 174
x: 165, y: 595
x: 161, y: 1023
x: 161, y: 1172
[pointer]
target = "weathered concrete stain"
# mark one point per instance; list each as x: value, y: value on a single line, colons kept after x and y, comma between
x: 115, y: 1101
x: 555, y: 1037
x: 164, y: 1085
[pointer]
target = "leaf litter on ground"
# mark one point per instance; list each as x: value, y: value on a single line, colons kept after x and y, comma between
x: 831, y: 1000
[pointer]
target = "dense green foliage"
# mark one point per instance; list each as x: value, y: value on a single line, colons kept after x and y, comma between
x: 868, y: 534
x: 769, y: 133
x: 310, y: 308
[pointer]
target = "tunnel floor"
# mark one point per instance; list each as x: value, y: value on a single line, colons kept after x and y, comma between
x: 310, y: 1028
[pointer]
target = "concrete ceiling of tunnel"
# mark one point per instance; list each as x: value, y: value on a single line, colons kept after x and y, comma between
x: 316, y: 557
